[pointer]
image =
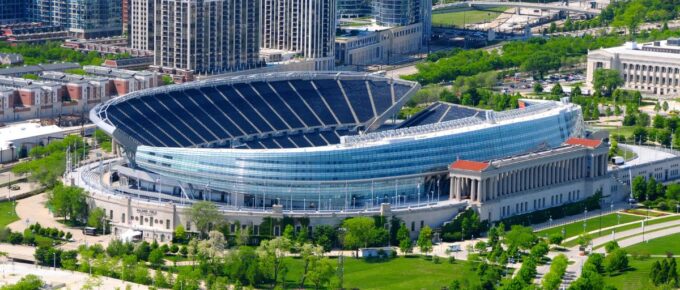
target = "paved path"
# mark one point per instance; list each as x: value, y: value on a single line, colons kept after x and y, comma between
x: 32, y: 209
x: 18, y: 252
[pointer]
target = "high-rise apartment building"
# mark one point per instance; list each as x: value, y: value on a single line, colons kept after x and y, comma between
x: 82, y: 18
x: 404, y: 12
x: 12, y: 11
x: 306, y: 27
x: 206, y: 36
x: 353, y: 8
x: 141, y: 24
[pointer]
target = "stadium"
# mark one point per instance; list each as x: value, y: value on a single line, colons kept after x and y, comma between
x: 323, y: 146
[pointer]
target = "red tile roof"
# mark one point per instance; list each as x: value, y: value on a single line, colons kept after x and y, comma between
x: 584, y: 142
x: 469, y: 165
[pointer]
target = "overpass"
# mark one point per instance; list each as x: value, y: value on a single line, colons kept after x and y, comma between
x: 559, y: 6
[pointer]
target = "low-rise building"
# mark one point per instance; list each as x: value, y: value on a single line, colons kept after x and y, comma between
x: 652, y: 68
x: 18, y: 139
x: 373, y: 44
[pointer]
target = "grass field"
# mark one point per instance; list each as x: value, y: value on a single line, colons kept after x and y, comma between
x: 658, y: 246
x: 7, y: 213
x: 634, y: 279
x: 625, y: 228
x: 399, y: 273
x: 469, y: 16
x: 593, y: 223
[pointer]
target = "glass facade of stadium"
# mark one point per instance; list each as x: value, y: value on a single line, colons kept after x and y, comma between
x: 295, y: 139
x: 401, y: 173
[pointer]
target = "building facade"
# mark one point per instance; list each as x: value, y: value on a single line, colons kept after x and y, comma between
x: 534, y: 181
x: 206, y: 37
x: 306, y: 27
x: 652, y: 68
x: 13, y: 11
x: 82, y: 18
x: 378, y: 47
x: 142, y: 14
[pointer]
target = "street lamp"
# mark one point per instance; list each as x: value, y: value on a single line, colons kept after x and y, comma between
x: 550, y: 221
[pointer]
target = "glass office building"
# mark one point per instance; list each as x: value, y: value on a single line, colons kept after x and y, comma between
x: 318, y: 141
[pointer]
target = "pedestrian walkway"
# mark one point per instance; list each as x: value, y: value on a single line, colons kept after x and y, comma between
x: 32, y: 210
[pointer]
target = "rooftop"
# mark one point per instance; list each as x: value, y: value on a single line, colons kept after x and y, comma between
x: 469, y: 165
x: 21, y: 131
x: 590, y: 143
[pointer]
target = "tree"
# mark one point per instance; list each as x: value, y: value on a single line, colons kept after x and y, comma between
x: 325, y: 235
x: 321, y: 272
x: 616, y: 261
x: 425, y: 240
x: 539, y: 250
x: 143, y: 250
x: 310, y: 256
x: 179, y: 235
x: 538, y: 88
x: 28, y: 282
x: 611, y: 246
x: 659, y: 121
x: 156, y: 258
x: 271, y: 254
x: 664, y: 106
x: 205, y: 215
x: 556, y: 239
x: 520, y: 237
x: 167, y: 80
x: 404, y: 237
x: 69, y: 202
x: 557, y: 90
x: 540, y: 62
x: 607, y: 80
x: 639, y: 187
x: 358, y: 232
x: 576, y: 91
x: 640, y: 134
x: 631, y: 18
x: 96, y: 219
x: 584, y: 240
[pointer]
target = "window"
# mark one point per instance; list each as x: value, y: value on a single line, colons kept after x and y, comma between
x: 122, y: 218
x: 167, y: 224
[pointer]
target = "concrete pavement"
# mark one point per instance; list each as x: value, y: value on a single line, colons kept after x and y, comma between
x: 32, y: 209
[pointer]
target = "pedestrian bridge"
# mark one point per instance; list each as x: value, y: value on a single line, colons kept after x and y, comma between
x: 585, y: 7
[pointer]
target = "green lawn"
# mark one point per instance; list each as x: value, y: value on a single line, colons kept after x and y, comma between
x: 400, y: 273
x: 593, y: 223
x: 469, y: 16
x: 624, y: 130
x: 7, y: 213
x: 634, y: 279
x: 658, y: 246
x: 625, y: 228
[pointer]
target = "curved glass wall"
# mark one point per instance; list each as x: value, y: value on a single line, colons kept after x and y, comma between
x: 341, y: 177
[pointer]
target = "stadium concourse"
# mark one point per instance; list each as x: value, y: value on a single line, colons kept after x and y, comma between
x: 311, y: 146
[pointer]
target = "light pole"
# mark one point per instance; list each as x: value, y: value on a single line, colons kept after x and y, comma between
x: 550, y: 221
